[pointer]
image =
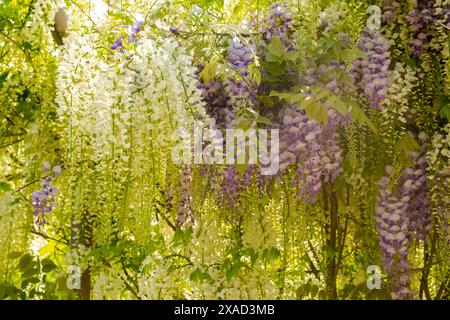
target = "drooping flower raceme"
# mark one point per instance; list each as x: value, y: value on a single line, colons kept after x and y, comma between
x: 373, y: 73
x: 300, y: 144
x: 424, y: 17
x: 241, y: 88
x: 390, y: 10
x: 132, y: 30
x: 111, y: 107
x: 44, y: 199
x: 415, y: 188
x: 185, y: 216
x: 279, y: 25
x: 216, y: 99
x: 240, y: 94
x: 393, y: 223
x: 403, y: 215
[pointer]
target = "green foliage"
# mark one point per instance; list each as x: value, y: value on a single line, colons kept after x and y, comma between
x: 108, y: 123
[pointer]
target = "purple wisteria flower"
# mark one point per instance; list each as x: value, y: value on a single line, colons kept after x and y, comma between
x: 300, y: 145
x: 185, y: 216
x: 132, y: 31
x: 242, y: 88
x: 279, y: 25
x: 424, y: 18
x: 216, y: 99
x: 390, y: 10
x: 373, y: 74
x: 403, y: 215
x: 414, y: 185
x: 393, y: 223
x: 43, y: 200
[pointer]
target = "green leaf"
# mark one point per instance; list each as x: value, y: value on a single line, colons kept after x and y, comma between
x: 30, y: 272
x: 48, y: 265
x: 270, y: 254
x: 329, y: 251
x: 275, y: 50
x: 3, y: 76
x: 406, y: 144
x: 26, y: 108
x: 252, y: 254
x: 182, y: 236
x: 442, y: 104
x: 275, y: 69
x: 316, y: 111
x: 195, y: 275
x: 359, y: 116
x: 25, y: 261
x: 314, y: 290
x: 445, y: 112
x: 26, y: 46
x: 407, y: 60
x: 255, y: 73
x: 209, y: 72
x: 15, y: 255
x: 264, y: 120
x: 231, y: 272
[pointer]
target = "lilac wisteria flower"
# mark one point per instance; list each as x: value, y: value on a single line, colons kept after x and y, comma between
x: 216, y: 99
x: 372, y: 73
x: 393, y: 223
x: 241, y: 88
x: 185, y: 216
x: 403, y: 215
x: 43, y: 200
x: 414, y: 186
x: 424, y: 18
x: 390, y: 10
x: 279, y: 25
x: 132, y: 31
x: 300, y: 145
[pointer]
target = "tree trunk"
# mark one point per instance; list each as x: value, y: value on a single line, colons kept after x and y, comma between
x: 332, y: 202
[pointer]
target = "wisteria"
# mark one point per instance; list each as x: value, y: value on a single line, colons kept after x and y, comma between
x: 425, y: 17
x: 391, y: 8
x: 402, y: 216
x: 279, y: 25
x: 300, y: 144
x: 393, y: 227
x: 132, y: 31
x: 242, y: 150
x: 185, y: 216
x: 414, y: 186
x: 373, y: 73
x: 216, y: 99
x: 44, y: 199
x: 241, y: 87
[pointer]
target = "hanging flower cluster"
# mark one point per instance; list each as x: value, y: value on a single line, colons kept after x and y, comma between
x: 299, y: 143
x: 185, y: 216
x: 423, y: 18
x: 373, y: 73
x: 414, y: 181
x: 44, y: 199
x: 216, y: 99
x: 403, y: 215
x: 393, y: 226
x: 390, y: 11
x: 132, y: 30
x: 143, y: 225
x: 241, y: 88
x: 279, y: 25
